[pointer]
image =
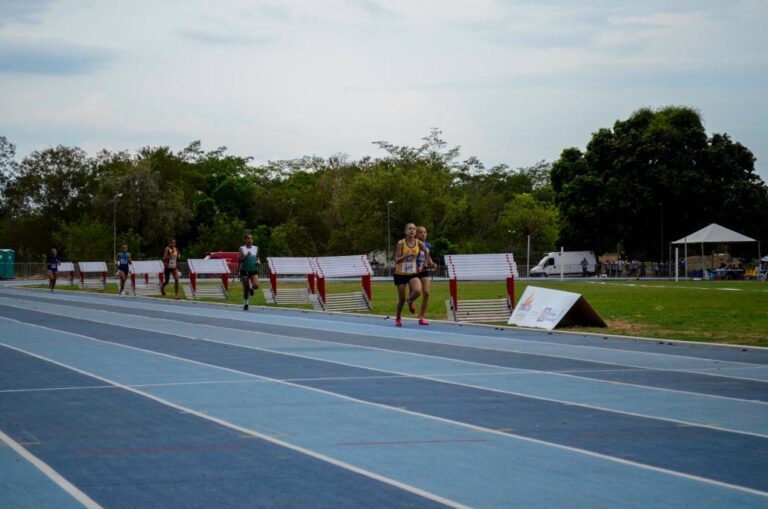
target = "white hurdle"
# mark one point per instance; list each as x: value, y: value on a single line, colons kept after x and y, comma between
x: 210, y: 267
x: 282, y: 266
x: 99, y: 282
x: 147, y: 268
x: 343, y: 266
x: 481, y: 267
x: 69, y: 269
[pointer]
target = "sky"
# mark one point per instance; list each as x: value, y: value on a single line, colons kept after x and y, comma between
x: 511, y: 82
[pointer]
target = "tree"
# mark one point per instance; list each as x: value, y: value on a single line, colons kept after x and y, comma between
x: 525, y: 216
x: 291, y: 239
x: 224, y: 235
x: 614, y: 192
x: 8, y: 166
x: 85, y: 240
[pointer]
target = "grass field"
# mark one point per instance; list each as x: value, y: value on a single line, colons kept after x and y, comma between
x: 712, y: 311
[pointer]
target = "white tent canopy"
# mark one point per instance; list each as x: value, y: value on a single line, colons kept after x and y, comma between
x: 714, y: 233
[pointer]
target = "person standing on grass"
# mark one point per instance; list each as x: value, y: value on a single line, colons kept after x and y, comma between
x: 171, y: 258
x: 424, y: 263
x: 248, y: 259
x: 406, y: 271
x: 52, y: 264
x: 123, y: 262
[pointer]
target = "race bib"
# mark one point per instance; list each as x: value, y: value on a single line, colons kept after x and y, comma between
x: 172, y: 262
x: 409, y: 267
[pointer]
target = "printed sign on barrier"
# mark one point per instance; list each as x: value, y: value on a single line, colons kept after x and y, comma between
x: 543, y: 308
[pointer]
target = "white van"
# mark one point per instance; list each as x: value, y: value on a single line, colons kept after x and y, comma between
x: 570, y: 261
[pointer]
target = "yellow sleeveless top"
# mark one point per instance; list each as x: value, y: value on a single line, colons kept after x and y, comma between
x: 408, y: 266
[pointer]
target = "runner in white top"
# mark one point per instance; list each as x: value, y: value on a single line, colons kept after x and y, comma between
x: 248, y: 258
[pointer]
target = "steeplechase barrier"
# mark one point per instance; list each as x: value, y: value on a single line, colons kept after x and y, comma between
x: 289, y: 266
x: 202, y: 268
x: 147, y: 277
x: 67, y: 269
x: 481, y: 267
x: 342, y: 267
x: 93, y: 275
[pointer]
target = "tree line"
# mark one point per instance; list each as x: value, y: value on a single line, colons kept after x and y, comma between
x: 648, y: 180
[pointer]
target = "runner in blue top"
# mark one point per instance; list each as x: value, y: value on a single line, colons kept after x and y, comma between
x: 123, y: 262
x: 52, y: 263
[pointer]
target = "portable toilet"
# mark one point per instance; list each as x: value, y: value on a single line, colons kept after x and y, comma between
x: 7, y: 261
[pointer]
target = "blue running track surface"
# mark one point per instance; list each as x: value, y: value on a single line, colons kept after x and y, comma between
x: 140, y: 402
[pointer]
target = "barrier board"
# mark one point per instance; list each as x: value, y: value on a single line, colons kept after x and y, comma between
x: 543, y: 308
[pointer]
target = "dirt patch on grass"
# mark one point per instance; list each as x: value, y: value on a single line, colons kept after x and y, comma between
x: 622, y: 325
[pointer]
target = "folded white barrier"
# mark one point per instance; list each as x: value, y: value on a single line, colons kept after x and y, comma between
x: 343, y: 267
x: 147, y: 277
x: 211, y: 267
x: 481, y: 267
x: 93, y: 275
x: 289, y: 266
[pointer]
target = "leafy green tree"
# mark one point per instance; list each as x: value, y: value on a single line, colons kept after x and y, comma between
x: 441, y: 247
x: 224, y: 235
x: 525, y: 216
x: 614, y: 193
x: 8, y: 167
x: 291, y: 239
x: 85, y: 240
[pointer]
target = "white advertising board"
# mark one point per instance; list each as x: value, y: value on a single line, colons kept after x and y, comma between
x: 543, y: 308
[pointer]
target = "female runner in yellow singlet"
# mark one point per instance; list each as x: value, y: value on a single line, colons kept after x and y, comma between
x: 407, y: 270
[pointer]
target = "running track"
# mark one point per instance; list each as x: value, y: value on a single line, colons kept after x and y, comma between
x: 139, y: 403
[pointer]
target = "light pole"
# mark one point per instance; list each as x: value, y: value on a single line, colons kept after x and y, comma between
x: 389, y: 235
x: 114, y: 224
x: 528, y: 259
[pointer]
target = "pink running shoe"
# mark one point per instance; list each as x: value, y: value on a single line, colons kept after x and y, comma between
x: 398, y: 322
x: 423, y: 321
x: 411, y: 308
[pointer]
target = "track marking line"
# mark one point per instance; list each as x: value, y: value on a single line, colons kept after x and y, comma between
x: 57, y: 478
x: 470, y: 347
x: 255, y: 319
x: 460, y: 384
x: 473, y: 427
x: 245, y: 431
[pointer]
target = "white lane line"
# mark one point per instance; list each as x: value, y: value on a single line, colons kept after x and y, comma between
x: 67, y: 486
x: 242, y: 429
x: 434, y: 378
x: 714, y: 362
x: 630, y: 367
x: 506, y: 434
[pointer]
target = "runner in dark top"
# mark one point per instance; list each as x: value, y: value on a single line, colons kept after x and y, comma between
x: 123, y: 262
x: 52, y: 263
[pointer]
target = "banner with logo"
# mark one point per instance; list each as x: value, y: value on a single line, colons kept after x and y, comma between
x: 543, y: 308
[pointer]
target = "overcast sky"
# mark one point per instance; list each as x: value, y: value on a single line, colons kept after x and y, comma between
x: 511, y: 82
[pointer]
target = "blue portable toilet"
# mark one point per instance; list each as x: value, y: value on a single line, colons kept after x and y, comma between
x: 7, y: 264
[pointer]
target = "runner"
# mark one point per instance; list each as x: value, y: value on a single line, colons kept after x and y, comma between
x: 123, y: 262
x: 406, y: 271
x: 424, y: 263
x: 171, y: 257
x: 248, y: 259
x: 52, y: 262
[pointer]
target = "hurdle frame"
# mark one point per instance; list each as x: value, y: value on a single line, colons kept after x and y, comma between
x: 92, y: 268
x: 481, y: 267
x: 145, y: 268
x: 206, y: 267
x: 343, y: 266
x: 281, y: 266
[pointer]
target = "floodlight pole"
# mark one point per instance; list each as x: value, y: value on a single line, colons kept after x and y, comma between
x: 528, y: 259
x: 114, y: 224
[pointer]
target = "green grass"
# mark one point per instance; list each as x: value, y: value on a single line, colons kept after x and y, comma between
x: 712, y: 311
